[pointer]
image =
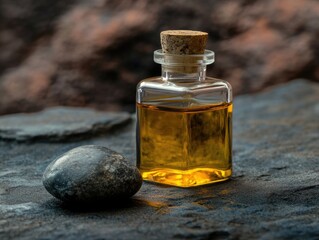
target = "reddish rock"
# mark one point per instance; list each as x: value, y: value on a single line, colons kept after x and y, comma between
x: 93, y: 53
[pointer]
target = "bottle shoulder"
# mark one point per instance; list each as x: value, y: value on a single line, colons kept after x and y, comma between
x: 183, y: 84
x: 155, y: 90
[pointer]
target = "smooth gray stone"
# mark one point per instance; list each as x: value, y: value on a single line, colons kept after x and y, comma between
x: 59, y: 123
x: 91, y: 174
x: 273, y: 193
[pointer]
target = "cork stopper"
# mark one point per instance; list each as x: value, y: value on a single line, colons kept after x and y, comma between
x: 183, y: 42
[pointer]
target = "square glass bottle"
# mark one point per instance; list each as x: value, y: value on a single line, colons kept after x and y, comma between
x: 184, y: 121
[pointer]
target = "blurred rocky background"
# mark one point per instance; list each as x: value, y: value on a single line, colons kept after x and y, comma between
x: 93, y: 53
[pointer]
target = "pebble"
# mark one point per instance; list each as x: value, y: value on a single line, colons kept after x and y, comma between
x: 91, y: 174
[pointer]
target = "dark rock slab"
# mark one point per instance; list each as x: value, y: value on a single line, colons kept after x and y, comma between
x: 272, y: 195
x: 59, y: 123
x: 91, y: 173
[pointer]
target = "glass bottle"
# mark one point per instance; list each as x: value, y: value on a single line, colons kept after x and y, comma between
x: 184, y: 123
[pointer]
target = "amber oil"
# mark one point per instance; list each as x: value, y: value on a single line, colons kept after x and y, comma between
x: 184, y: 147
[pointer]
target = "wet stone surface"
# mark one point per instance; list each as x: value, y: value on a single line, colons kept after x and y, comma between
x: 91, y: 173
x: 272, y: 194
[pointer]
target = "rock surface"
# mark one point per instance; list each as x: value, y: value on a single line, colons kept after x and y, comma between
x: 273, y: 193
x: 91, y: 174
x: 59, y: 123
x: 93, y: 53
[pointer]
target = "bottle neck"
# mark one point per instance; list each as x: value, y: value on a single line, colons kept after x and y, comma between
x: 181, y: 68
x: 183, y: 73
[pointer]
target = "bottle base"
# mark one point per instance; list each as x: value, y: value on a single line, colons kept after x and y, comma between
x: 186, y: 178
